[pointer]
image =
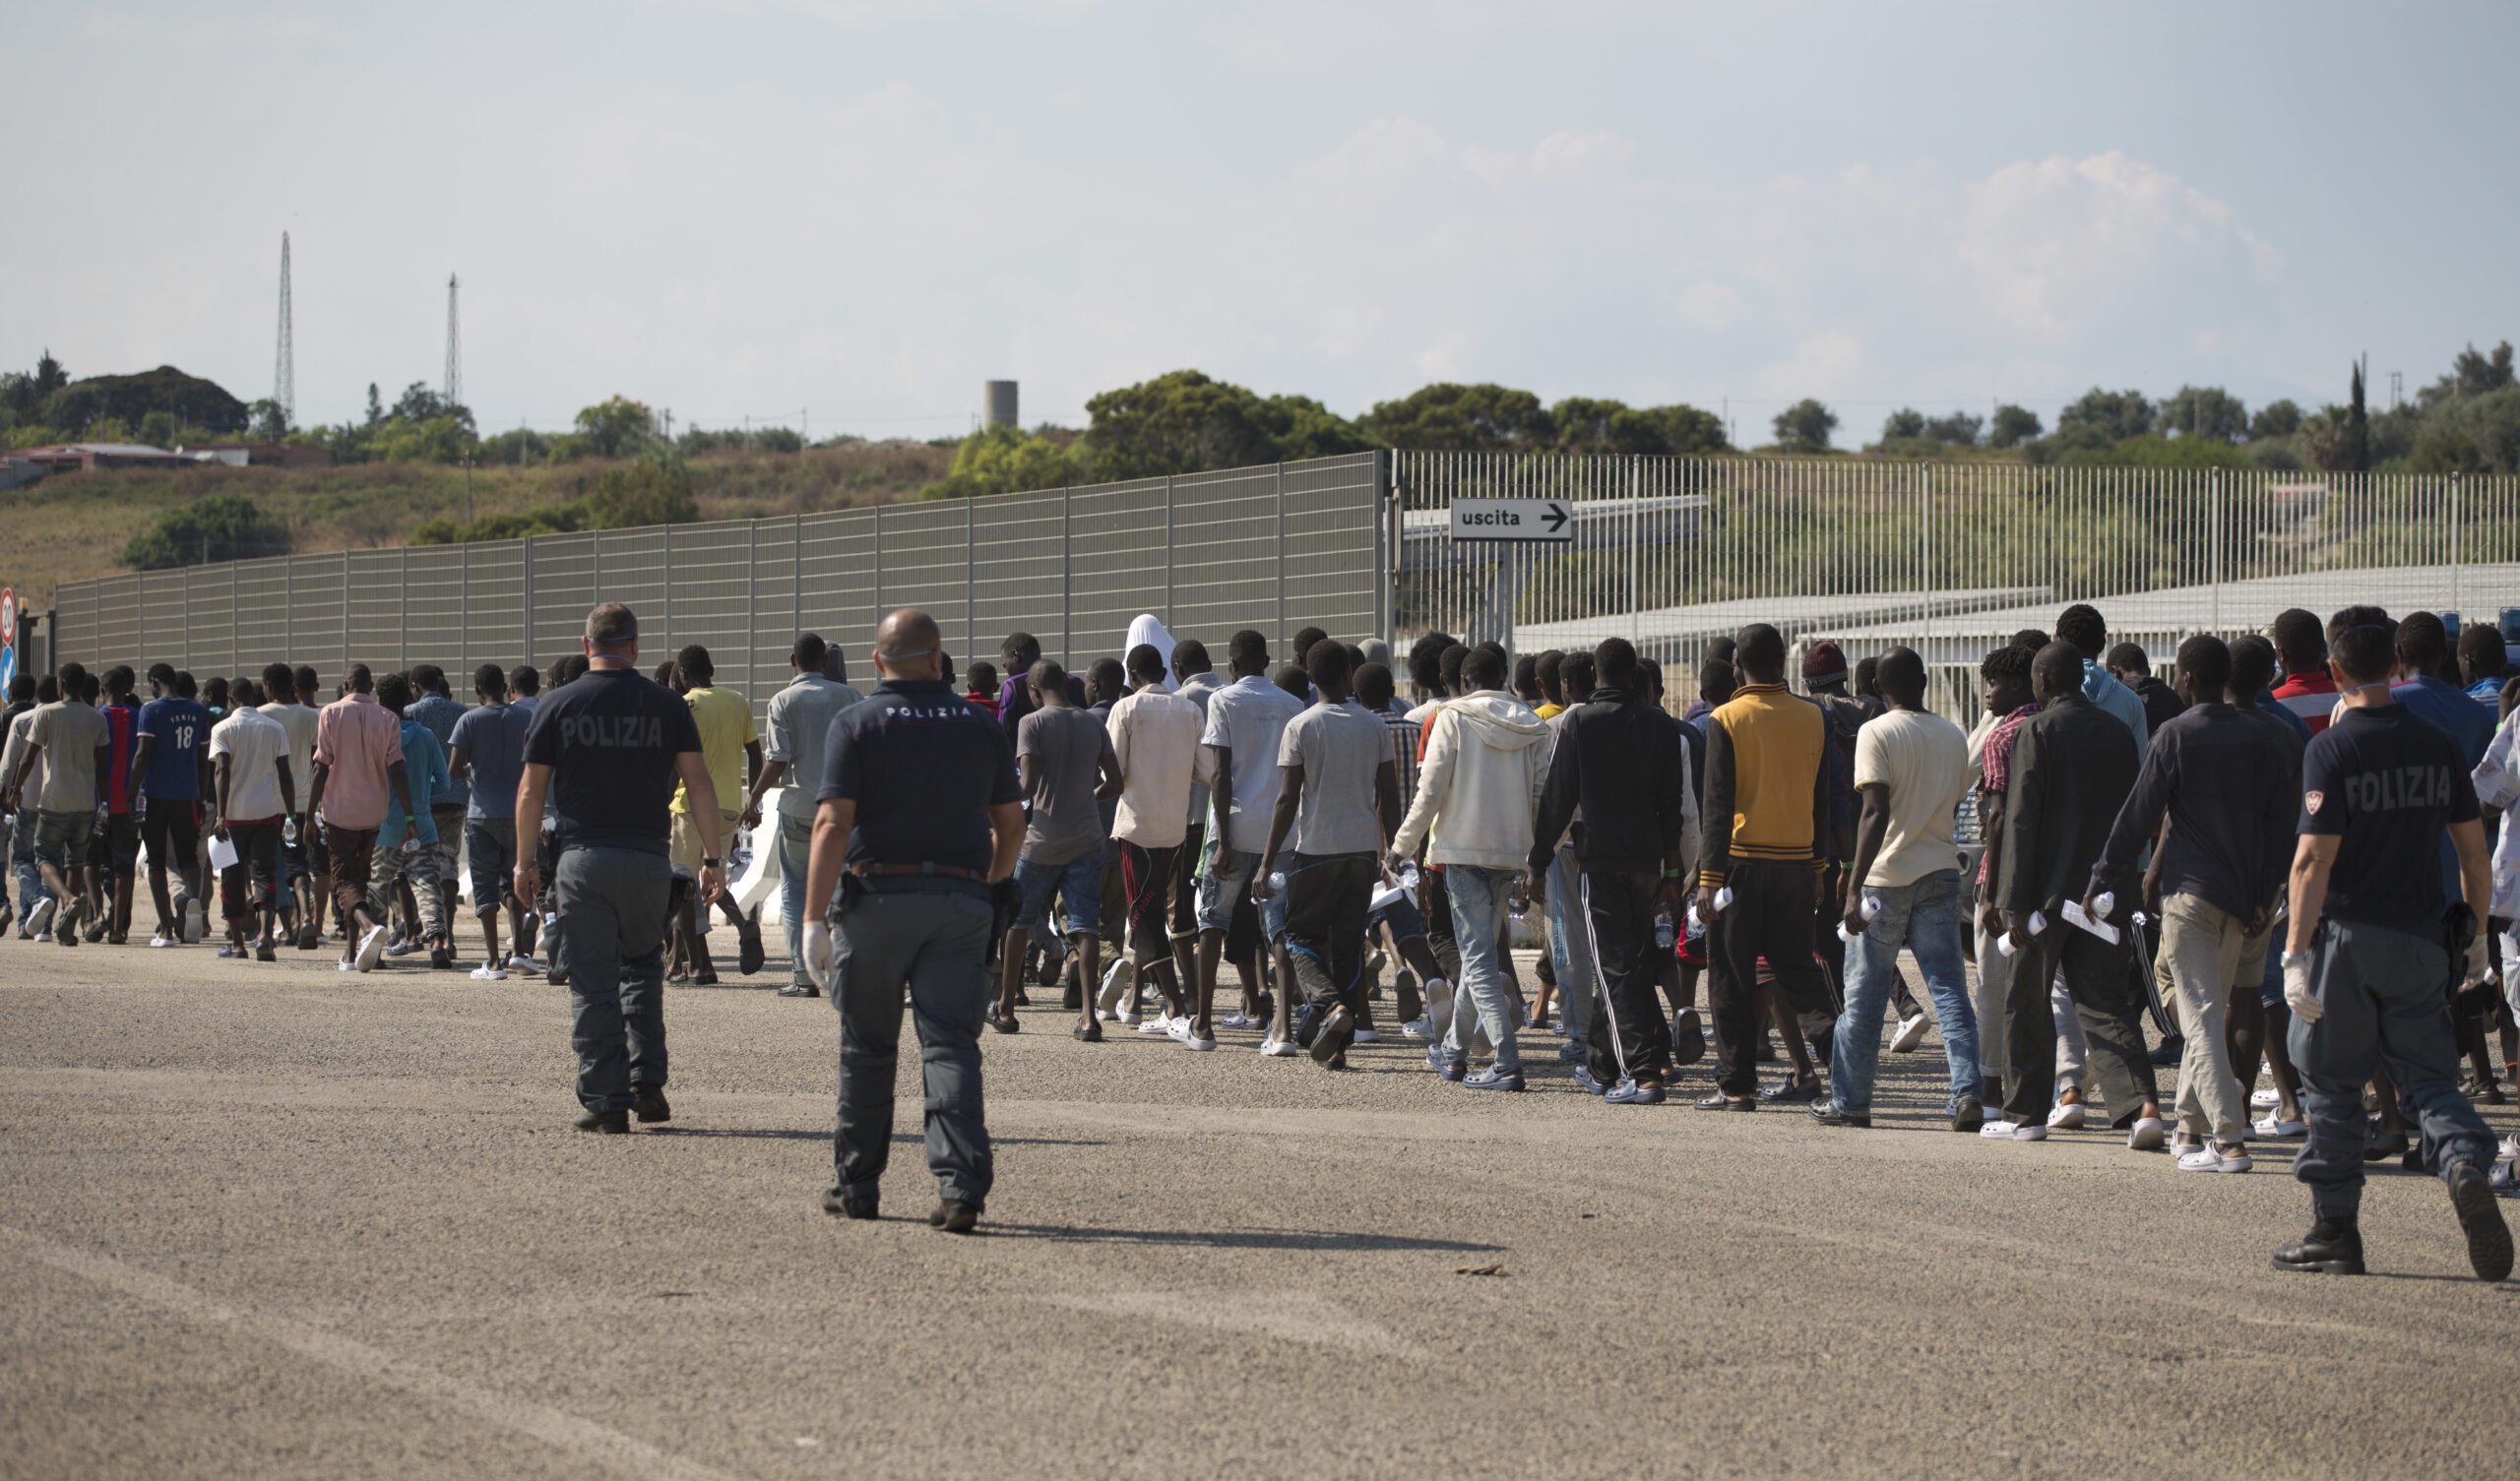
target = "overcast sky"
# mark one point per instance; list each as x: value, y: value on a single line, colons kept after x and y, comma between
x: 864, y: 208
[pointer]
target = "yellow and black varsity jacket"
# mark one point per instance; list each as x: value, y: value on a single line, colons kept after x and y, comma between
x: 1767, y: 783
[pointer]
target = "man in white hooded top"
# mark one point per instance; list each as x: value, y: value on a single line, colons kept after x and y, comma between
x: 1475, y: 792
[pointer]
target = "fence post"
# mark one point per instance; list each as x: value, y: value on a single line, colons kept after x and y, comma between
x: 463, y: 613
x: 877, y: 620
x: 524, y: 579
x: 665, y: 565
x: 1067, y: 576
x: 1168, y: 552
x: 1924, y: 543
x: 185, y: 586
x: 403, y: 639
x: 346, y: 614
x: 971, y: 585
x: 2214, y: 529
x: 1281, y: 634
x: 753, y: 604
x: 289, y: 610
x: 2457, y: 556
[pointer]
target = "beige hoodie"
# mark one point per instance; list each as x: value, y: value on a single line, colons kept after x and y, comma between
x: 1479, y: 786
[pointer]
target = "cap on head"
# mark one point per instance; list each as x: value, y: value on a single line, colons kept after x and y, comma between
x: 1825, y: 663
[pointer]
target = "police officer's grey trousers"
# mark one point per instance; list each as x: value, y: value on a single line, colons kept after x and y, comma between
x: 937, y: 944
x: 2386, y: 998
x: 612, y: 910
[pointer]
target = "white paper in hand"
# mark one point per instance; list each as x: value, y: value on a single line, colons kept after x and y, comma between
x: 223, y: 854
x: 2075, y: 915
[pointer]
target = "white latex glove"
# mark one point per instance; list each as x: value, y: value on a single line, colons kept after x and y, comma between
x: 2480, y: 960
x: 2296, y: 987
x: 816, y: 945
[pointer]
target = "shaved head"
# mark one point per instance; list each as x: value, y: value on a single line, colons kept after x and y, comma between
x: 908, y: 645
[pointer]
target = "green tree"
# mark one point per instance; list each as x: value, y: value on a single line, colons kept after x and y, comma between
x: 651, y: 491
x: 617, y: 427
x: 190, y: 400
x: 218, y: 528
x: 265, y: 421
x: 1453, y: 418
x: 2274, y: 420
x: 159, y: 429
x: 2012, y: 426
x: 2476, y: 433
x: 1594, y: 425
x: 2103, y: 418
x: 49, y: 377
x: 1805, y: 426
x: 1960, y: 429
x: 2471, y: 374
x: 1000, y: 460
x: 1185, y: 422
x: 2205, y: 412
x: 1906, y: 423
x: 375, y: 408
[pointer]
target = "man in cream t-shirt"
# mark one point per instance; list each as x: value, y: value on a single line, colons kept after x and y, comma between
x: 1911, y: 770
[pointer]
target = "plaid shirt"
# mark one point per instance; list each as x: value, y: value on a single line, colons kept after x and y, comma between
x: 1404, y: 754
x: 1995, y: 764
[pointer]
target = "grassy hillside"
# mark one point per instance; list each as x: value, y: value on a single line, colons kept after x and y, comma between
x: 74, y: 526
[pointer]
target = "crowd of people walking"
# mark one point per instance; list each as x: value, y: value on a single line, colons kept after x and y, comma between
x: 2296, y: 852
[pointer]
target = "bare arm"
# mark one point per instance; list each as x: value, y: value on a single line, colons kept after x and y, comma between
x: 2312, y: 860
x: 693, y: 768
x: 1282, y: 820
x: 1871, y: 828
x: 1006, y: 831
x: 834, y: 822
x: 530, y: 788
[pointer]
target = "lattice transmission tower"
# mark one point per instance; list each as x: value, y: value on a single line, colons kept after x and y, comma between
x: 284, y: 358
x: 454, y: 348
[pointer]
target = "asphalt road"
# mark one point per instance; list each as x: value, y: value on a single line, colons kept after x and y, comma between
x: 275, y: 1221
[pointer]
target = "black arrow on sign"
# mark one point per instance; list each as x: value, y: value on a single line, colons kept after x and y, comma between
x: 1555, y: 518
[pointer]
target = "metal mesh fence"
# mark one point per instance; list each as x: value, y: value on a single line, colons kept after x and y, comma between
x: 1270, y: 548
x: 1946, y: 558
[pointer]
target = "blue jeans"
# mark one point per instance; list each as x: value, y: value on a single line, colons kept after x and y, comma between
x: 796, y: 845
x: 1079, y: 883
x: 1478, y: 898
x: 1570, y: 953
x: 1219, y: 892
x: 22, y: 863
x: 1924, y: 918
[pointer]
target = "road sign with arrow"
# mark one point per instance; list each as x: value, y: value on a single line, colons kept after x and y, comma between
x: 1543, y: 521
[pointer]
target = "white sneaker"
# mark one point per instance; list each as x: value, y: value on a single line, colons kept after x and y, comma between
x: 344, y: 967
x: 2272, y: 1127
x: 1114, y: 982
x: 1367, y: 1036
x: 524, y: 966
x: 370, y: 947
x: 1277, y: 1048
x: 2013, y: 1131
x: 39, y: 920
x: 2148, y: 1134
x: 1418, y: 1028
x: 2264, y: 1100
x: 1439, y: 1005
x: 485, y: 972
x: 2067, y: 1117
x: 196, y: 922
x: 161, y: 941
x: 1912, y: 1033
x: 2207, y: 1160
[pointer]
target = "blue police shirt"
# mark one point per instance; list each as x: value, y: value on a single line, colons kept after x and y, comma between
x: 925, y: 768
x: 612, y: 739
x: 2390, y: 785
x: 179, y: 735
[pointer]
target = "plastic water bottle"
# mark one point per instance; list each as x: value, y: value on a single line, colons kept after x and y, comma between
x: 1871, y: 907
x: 1278, y: 882
x: 1722, y: 899
x: 2105, y: 903
x: 1517, y: 905
x: 1665, y: 935
x: 412, y: 842
x: 1407, y: 878
x: 288, y: 832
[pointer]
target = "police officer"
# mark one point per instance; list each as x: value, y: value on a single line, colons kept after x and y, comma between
x: 607, y: 749
x: 919, y: 817
x: 2368, y: 965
